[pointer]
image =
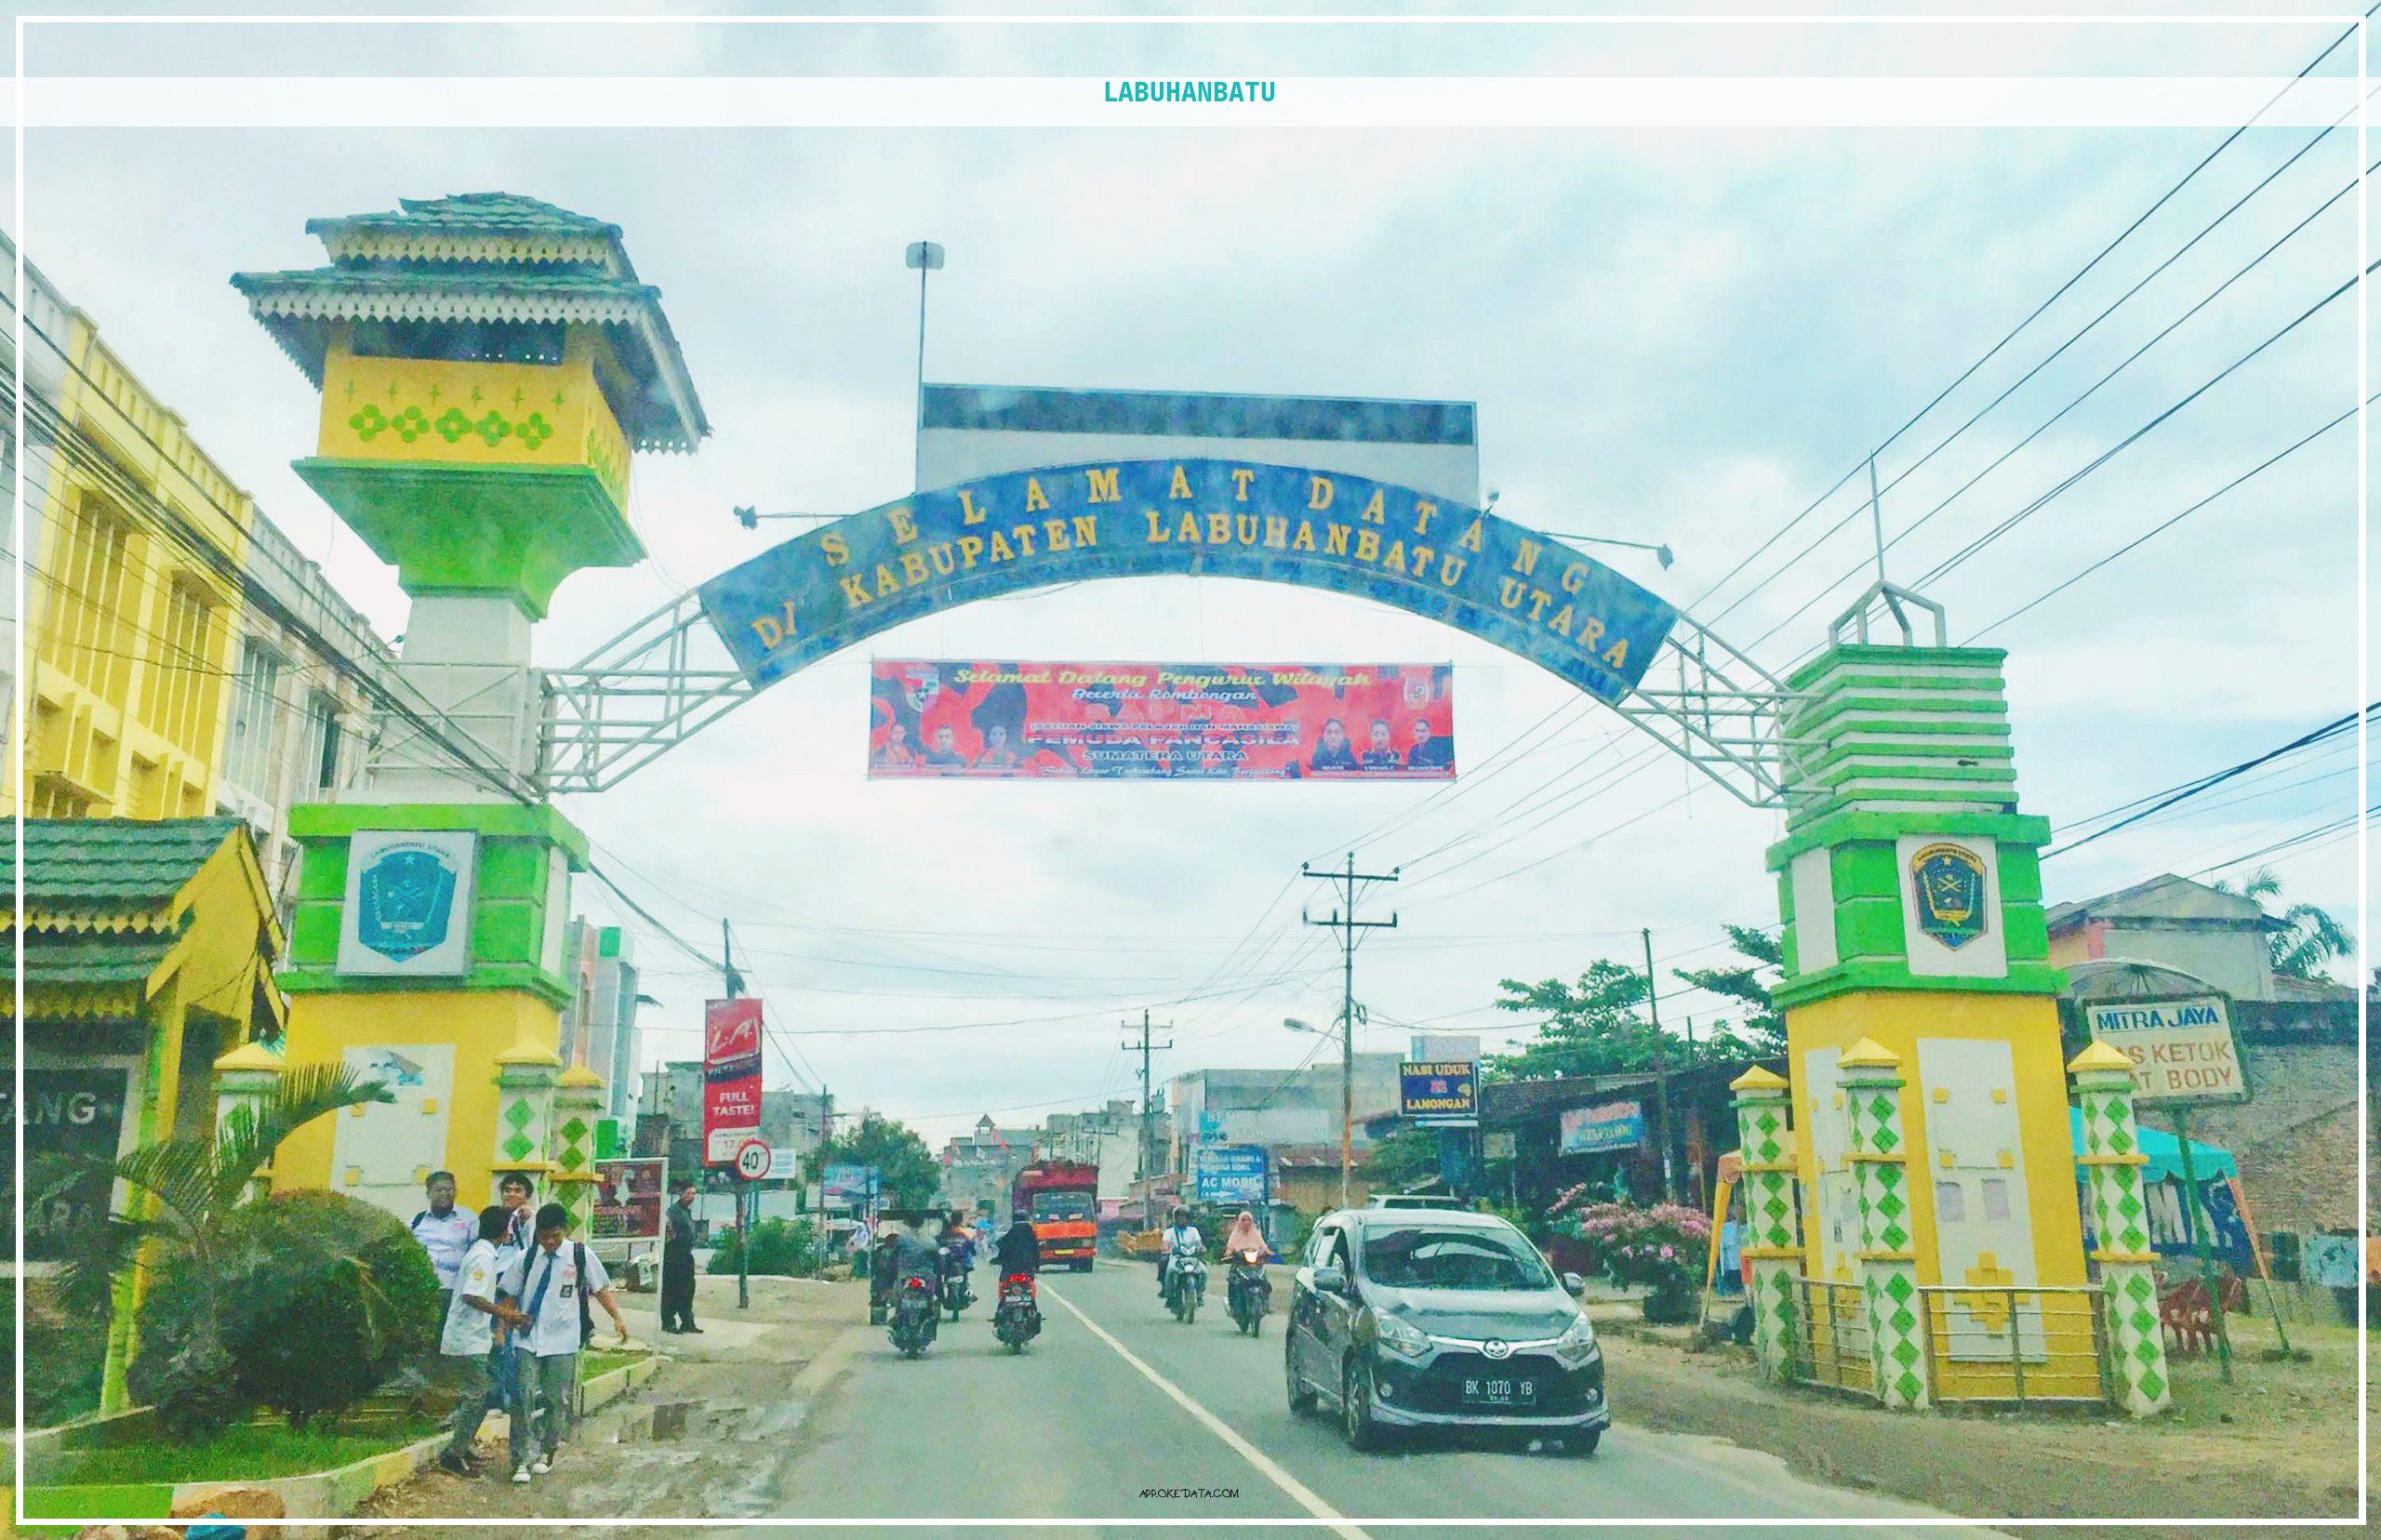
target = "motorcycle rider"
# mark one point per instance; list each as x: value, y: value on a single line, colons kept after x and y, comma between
x: 914, y: 1256
x: 1019, y: 1250
x: 1181, y: 1239
x: 1244, y: 1238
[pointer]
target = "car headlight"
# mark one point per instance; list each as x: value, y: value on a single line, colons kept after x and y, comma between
x: 1401, y: 1337
x: 1577, y: 1343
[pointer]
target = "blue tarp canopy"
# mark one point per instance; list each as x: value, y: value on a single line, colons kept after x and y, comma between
x: 2166, y: 1152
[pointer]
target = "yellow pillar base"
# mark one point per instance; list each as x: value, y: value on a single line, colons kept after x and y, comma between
x: 452, y: 1119
x: 1945, y: 1097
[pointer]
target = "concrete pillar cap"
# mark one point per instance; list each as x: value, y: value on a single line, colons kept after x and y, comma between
x: 2098, y: 1055
x: 1758, y: 1079
x: 251, y: 1054
x: 1869, y: 1054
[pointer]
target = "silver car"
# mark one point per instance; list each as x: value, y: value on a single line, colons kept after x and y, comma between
x: 1424, y: 1317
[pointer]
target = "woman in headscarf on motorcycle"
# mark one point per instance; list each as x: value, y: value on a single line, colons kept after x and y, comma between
x: 1244, y: 1238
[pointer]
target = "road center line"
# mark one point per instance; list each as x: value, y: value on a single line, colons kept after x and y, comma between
x: 1298, y: 1492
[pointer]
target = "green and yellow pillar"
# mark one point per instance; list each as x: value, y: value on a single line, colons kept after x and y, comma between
x: 489, y: 364
x: 1773, y: 1235
x: 1911, y: 888
x: 1888, y: 1270
x: 2113, y: 1164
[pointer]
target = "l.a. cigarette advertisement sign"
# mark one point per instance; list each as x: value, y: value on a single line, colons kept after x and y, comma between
x: 2183, y: 1050
x: 731, y: 1077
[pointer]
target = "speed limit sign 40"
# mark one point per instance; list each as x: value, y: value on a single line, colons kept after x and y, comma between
x: 752, y: 1160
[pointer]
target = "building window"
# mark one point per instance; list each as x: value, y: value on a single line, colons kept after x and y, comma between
x: 181, y: 696
x: 248, y: 743
x: 322, y: 742
x: 89, y: 635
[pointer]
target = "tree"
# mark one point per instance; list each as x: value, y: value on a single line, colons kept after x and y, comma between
x: 2310, y: 938
x: 910, y: 1173
x: 1404, y: 1161
x: 1763, y: 1027
x: 1596, y: 1027
x: 192, y: 1229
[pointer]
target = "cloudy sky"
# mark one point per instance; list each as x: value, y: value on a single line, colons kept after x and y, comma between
x: 1685, y: 336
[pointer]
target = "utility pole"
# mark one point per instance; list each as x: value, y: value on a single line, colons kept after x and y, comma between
x: 826, y: 1132
x: 1661, y: 1071
x: 1346, y: 924
x: 735, y: 984
x: 927, y: 257
x: 1141, y: 1165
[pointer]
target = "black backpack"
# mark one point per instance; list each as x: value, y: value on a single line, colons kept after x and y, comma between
x: 586, y: 1311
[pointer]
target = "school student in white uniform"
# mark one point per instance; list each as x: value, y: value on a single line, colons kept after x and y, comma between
x: 469, y: 1337
x: 550, y: 1284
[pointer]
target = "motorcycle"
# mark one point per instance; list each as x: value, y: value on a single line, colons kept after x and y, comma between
x: 915, y: 1310
x: 956, y: 1293
x: 1016, y: 1320
x: 1186, y: 1288
x: 1250, y: 1292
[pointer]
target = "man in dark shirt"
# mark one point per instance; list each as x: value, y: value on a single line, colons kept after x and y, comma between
x: 1428, y: 753
x: 1381, y: 753
x: 1334, y: 752
x: 943, y: 750
x: 678, y: 1263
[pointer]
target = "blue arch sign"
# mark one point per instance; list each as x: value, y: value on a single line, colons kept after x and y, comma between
x: 1524, y: 591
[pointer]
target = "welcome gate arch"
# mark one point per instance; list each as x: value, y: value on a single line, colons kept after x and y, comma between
x: 1923, y: 1134
x: 1927, y: 1099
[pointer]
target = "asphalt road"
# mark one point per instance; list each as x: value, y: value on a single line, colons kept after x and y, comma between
x: 1118, y: 1411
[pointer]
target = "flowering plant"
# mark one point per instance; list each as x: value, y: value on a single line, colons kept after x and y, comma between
x: 1662, y: 1247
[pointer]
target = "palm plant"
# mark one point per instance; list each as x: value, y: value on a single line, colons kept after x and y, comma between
x: 2311, y: 936
x: 192, y: 1184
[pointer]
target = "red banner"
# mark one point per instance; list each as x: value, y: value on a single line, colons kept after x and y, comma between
x: 628, y: 1200
x: 1161, y: 721
x: 731, y: 1077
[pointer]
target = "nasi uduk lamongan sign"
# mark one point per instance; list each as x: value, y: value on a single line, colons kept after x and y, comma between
x: 1002, y: 721
x: 2183, y: 1050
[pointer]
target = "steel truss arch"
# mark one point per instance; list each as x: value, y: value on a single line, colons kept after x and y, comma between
x: 674, y: 671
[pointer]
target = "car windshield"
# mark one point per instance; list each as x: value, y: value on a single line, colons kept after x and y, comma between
x: 1061, y: 1205
x: 1424, y: 1258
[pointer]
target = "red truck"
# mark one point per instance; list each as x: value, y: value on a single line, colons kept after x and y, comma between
x: 1061, y: 1199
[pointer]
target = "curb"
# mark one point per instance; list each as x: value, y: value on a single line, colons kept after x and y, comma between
x: 323, y: 1495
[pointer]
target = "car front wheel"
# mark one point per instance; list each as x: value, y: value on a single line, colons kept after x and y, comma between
x: 1580, y: 1445
x: 1356, y: 1408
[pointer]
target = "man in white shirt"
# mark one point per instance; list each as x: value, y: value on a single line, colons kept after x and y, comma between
x: 1182, y: 1238
x: 551, y: 1283
x: 446, y: 1232
x: 469, y: 1337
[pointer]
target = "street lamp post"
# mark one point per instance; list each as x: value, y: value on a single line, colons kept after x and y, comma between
x: 925, y: 257
x: 1348, y: 1011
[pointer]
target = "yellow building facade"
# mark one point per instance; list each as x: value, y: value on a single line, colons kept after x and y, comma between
x: 131, y: 636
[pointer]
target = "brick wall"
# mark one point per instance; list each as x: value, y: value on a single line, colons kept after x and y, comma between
x: 2296, y: 1140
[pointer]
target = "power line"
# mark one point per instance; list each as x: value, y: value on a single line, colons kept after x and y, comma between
x: 2204, y: 783
x: 2032, y: 316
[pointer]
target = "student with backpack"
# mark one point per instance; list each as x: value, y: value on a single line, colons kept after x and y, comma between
x: 469, y: 1337
x: 551, y: 1284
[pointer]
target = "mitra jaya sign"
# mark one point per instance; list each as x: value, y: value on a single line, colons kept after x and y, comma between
x: 859, y: 576
x: 2182, y: 1050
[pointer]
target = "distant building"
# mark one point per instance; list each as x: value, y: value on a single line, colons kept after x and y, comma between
x: 978, y: 1167
x: 1108, y: 1138
x: 1274, y: 1106
x: 2173, y: 921
x: 2295, y: 1137
x: 598, y: 1024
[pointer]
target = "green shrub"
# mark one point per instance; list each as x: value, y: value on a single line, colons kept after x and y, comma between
x: 782, y: 1247
x: 304, y: 1303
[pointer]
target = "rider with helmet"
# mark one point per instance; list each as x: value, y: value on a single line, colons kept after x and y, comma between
x: 1181, y: 1239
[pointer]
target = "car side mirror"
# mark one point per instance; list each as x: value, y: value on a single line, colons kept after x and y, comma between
x: 1574, y: 1285
x: 1330, y: 1280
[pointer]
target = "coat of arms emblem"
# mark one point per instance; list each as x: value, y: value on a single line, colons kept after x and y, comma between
x: 404, y: 902
x: 1948, y: 881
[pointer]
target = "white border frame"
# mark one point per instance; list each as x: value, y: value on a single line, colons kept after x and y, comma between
x: 2359, y: 22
